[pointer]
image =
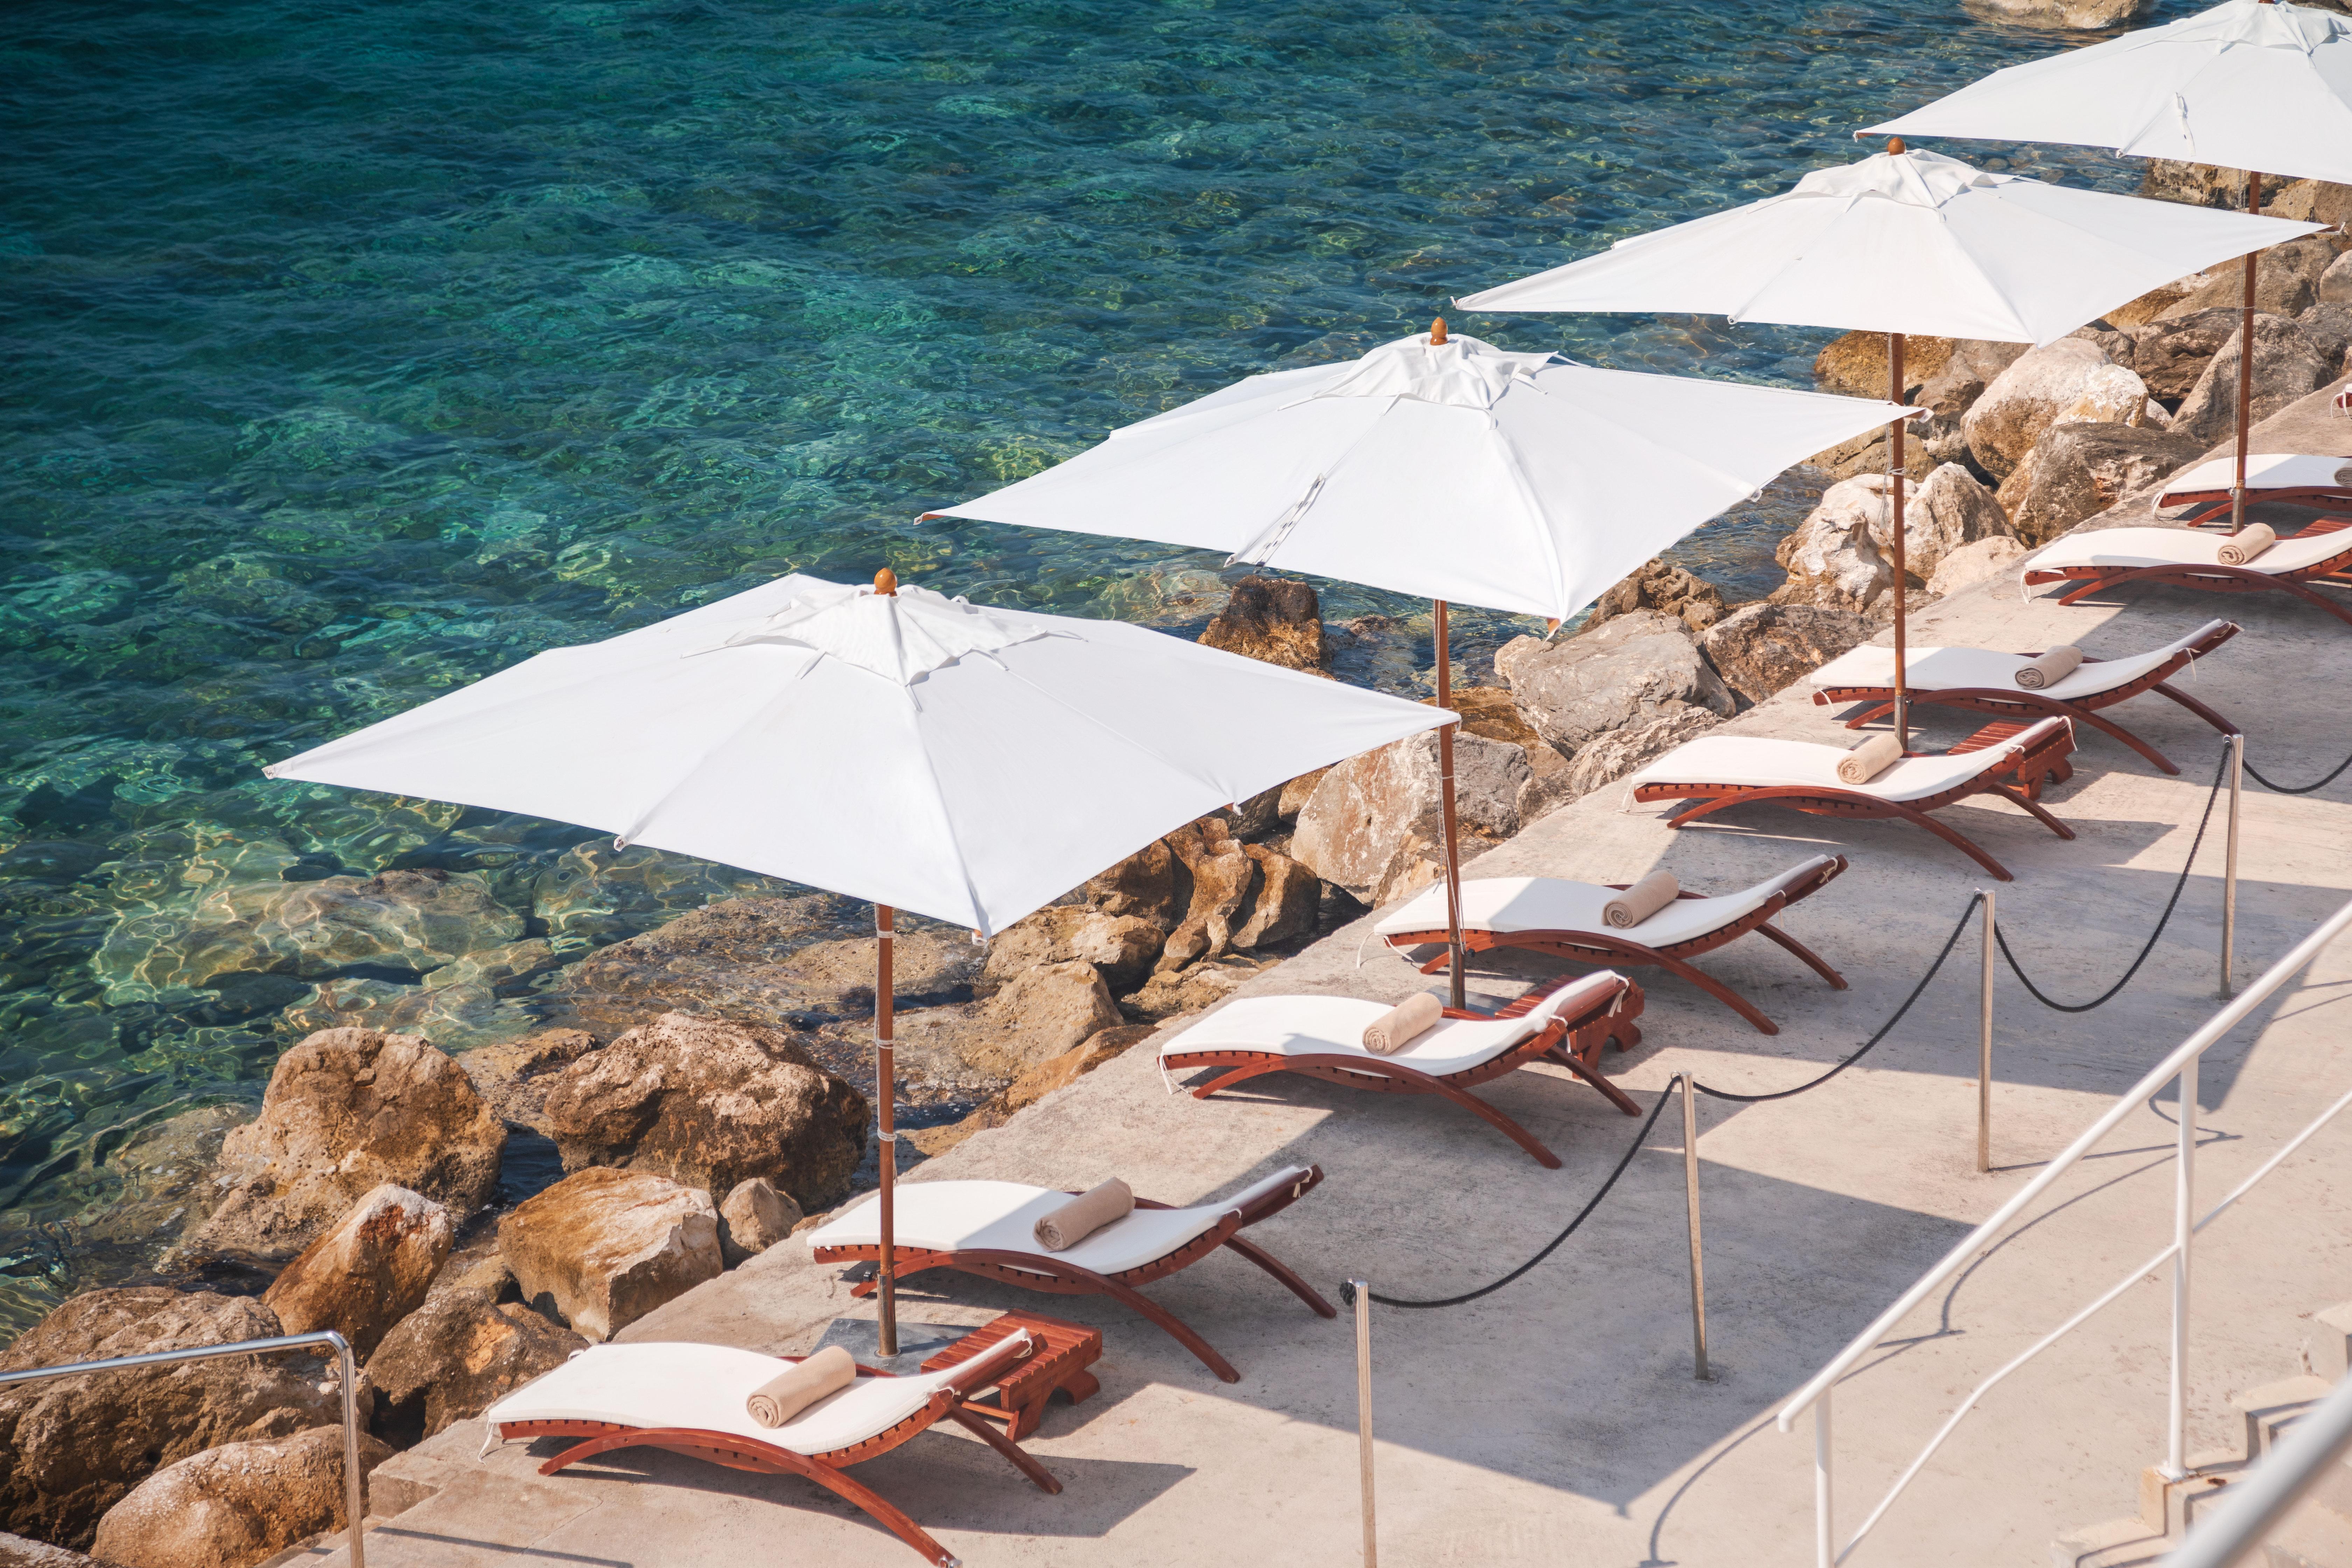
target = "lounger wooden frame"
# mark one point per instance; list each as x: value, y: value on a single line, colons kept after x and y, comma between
x: 2043, y: 762
x: 1574, y: 1042
x: 2217, y: 503
x: 740, y: 1453
x: 1060, y: 1277
x: 1620, y: 951
x: 2015, y: 701
x: 2215, y: 579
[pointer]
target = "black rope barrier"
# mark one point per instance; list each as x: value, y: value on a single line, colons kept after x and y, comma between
x: 2256, y: 775
x: 2220, y: 776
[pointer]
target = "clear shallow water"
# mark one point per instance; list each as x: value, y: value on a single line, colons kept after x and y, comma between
x: 356, y: 352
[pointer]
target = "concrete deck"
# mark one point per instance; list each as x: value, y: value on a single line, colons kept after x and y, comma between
x: 1556, y: 1422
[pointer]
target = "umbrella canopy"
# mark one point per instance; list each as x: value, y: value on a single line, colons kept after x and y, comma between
x: 970, y: 763
x: 1448, y: 469
x: 1906, y: 242
x: 2246, y: 85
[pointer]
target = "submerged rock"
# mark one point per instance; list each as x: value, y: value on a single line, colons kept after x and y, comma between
x: 72, y: 1448
x: 347, y: 1110
x: 603, y: 1248
x: 367, y: 1271
x: 1276, y: 619
x: 2074, y: 15
x: 233, y: 1506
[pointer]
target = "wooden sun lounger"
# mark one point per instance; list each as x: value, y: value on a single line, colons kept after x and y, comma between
x: 1566, y: 1022
x: 2184, y: 558
x: 1984, y: 682
x: 1562, y: 918
x: 986, y: 1228
x: 1724, y: 771
x: 689, y: 1399
x: 2302, y: 479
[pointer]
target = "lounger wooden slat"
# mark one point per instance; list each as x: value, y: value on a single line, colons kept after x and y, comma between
x: 1857, y: 676
x: 1317, y: 1037
x: 2184, y: 558
x: 1527, y: 914
x: 1720, y: 772
x: 2299, y: 479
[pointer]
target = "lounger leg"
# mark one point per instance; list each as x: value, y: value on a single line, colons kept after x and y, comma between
x: 1868, y: 714
x: 1592, y: 1076
x: 1961, y: 842
x: 2197, y: 707
x: 2310, y: 597
x: 1172, y: 1325
x: 1790, y: 943
x: 1275, y: 1267
x: 1005, y: 1445
x: 1239, y: 1075
x: 1721, y: 992
x: 2090, y: 585
x: 2010, y: 792
x: 2109, y: 727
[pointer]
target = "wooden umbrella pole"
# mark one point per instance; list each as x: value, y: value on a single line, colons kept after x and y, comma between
x: 1446, y: 797
x: 1895, y: 476
x: 886, y: 1091
x: 2245, y: 363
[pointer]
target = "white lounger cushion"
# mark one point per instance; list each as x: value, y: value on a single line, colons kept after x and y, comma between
x: 1760, y: 763
x: 1334, y: 1026
x: 1507, y: 904
x: 2264, y: 471
x: 1956, y: 669
x: 1001, y: 1216
x: 674, y: 1383
x: 2124, y: 547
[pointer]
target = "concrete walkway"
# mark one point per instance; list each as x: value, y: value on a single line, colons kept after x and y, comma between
x: 1557, y: 1422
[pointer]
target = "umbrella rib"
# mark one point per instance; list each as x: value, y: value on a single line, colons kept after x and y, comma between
x: 677, y: 782
x: 947, y: 818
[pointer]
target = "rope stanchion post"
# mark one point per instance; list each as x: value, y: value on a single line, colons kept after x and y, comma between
x: 1698, y: 1266
x: 2229, y: 864
x: 1984, y: 1040
x: 1361, y: 1293
x: 2184, y: 1231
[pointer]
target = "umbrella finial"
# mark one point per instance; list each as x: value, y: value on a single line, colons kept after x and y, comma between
x: 1894, y: 145
x: 886, y: 581
x: 1437, y: 331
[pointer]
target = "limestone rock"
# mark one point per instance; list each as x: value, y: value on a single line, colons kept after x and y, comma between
x: 2286, y: 280
x: 2312, y: 200
x: 1275, y: 619
x: 1626, y: 670
x: 2170, y: 351
x: 16, y: 1552
x: 1044, y: 1012
x: 2335, y: 283
x: 2285, y: 367
x: 1375, y: 824
x: 512, y: 1075
x: 1943, y: 375
x: 1151, y: 884
x: 711, y: 1103
x: 1760, y: 649
x: 71, y: 1449
x: 1284, y: 905
x: 1972, y: 564
x: 1202, y: 985
x: 233, y: 1506
x: 1224, y: 880
x: 2133, y: 315
x: 2328, y: 330
x: 2196, y: 185
x: 1121, y: 946
x: 1841, y: 556
x: 367, y: 1270
x: 1670, y: 590
x: 1294, y: 794
x: 2066, y: 382
x: 2074, y: 15
x: 753, y: 1218
x: 347, y: 1110
x: 1620, y: 751
x: 603, y: 1248
x: 1946, y: 512
x: 1492, y: 714
x: 455, y: 1357
x: 2079, y: 471
x: 1034, y: 1085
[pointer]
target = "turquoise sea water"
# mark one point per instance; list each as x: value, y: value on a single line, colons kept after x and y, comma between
x: 357, y: 349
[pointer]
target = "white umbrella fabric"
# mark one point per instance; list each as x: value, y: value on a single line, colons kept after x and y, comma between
x: 1441, y: 467
x: 889, y: 744
x: 2251, y: 85
x: 1899, y: 243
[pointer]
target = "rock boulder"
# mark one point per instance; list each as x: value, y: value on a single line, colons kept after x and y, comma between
x: 1760, y: 649
x: 1121, y: 947
x: 1275, y: 619
x: 603, y: 1248
x: 1972, y: 564
x: 72, y: 1448
x: 233, y: 1506
x: 2285, y: 367
x: 1840, y: 556
x: 2169, y: 352
x: 711, y: 1103
x: 1627, y: 670
x: 2327, y: 328
x: 512, y: 1075
x: 2286, y: 280
x: 2079, y: 471
x: 1620, y: 751
x: 1151, y: 884
x: 2075, y: 15
x: 1491, y: 713
x: 753, y: 1218
x: 1669, y: 590
x: 2067, y: 382
x: 2335, y: 283
x: 367, y: 1271
x: 16, y: 1552
x: 455, y: 1357
x: 347, y: 1110
x: 1375, y: 826
x: 1046, y: 1011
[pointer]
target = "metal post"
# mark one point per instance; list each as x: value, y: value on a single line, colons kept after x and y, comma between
x: 1895, y: 476
x: 1825, y: 1526
x: 2230, y: 866
x: 1690, y: 1197
x: 354, y: 1497
x: 1363, y: 1291
x: 885, y: 1090
x: 2184, y: 1230
x: 1453, y: 984
x: 1984, y: 1038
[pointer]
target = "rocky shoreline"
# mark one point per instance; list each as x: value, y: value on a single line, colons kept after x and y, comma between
x: 501, y: 1136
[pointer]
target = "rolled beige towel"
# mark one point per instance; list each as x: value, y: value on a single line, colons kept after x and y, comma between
x: 2245, y: 545
x: 796, y: 1388
x: 2048, y: 669
x: 1416, y: 1014
x: 1869, y: 760
x: 1643, y: 899
x: 1083, y: 1214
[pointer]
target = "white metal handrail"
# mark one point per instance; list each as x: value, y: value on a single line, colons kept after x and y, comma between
x: 2182, y: 1063
x: 2260, y: 1501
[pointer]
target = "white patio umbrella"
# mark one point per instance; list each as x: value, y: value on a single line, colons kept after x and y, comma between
x: 2248, y: 85
x: 1441, y: 467
x: 1899, y: 243
x: 889, y: 744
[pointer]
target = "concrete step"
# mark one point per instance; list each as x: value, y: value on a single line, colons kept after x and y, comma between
x: 2273, y: 1408
x: 2328, y: 1352
x: 2117, y: 1544
x: 2169, y: 1507
x: 2310, y: 1537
